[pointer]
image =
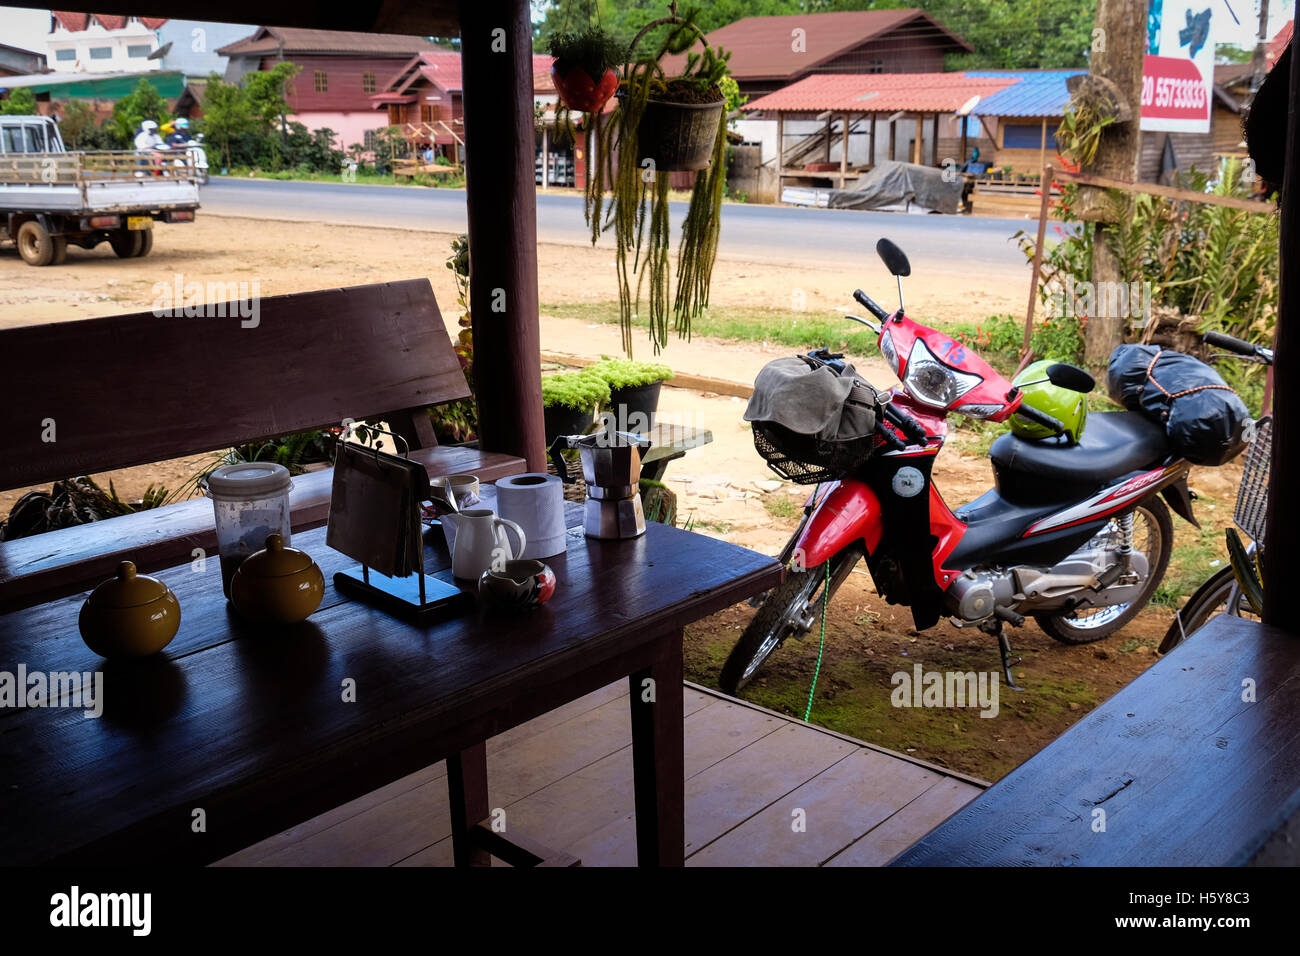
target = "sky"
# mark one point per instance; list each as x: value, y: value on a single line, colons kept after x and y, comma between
x: 28, y: 28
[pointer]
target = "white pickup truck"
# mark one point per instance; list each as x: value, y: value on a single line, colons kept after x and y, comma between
x: 50, y: 197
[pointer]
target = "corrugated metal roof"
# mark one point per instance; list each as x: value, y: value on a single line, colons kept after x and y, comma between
x: 1031, y: 93
x: 880, y: 93
x: 300, y: 40
x: 764, y: 47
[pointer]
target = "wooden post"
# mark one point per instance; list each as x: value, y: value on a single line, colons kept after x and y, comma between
x: 1026, y: 353
x: 501, y: 199
x: 826, y: 145
x: 893, y: 131
x: 844, y: 149
x: 1284, y: 471
x: 780, y: 153
x: 546, y: 166
x: 1120, y: 61
x: 934, y: 140
x: 871, y: 158
x: 1042, y: 149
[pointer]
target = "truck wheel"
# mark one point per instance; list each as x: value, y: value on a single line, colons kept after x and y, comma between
x: 60, y: 250
x: 126, y: 243
x: 146, y: 243
x: 35, y: 244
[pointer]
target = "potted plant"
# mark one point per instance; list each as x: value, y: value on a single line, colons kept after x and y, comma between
x: 585, y: 65
x: 633, y: 390
x: 569, y: 402
x: 663, y: 124
x: 456, y: 423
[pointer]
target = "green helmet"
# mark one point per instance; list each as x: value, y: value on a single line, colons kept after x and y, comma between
x: 1064, y: 404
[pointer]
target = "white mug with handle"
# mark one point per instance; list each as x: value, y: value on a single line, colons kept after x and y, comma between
x: 482, y: 542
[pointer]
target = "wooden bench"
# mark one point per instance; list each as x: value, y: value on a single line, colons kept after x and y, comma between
x: 135, y: 389
x: 1186, y: 766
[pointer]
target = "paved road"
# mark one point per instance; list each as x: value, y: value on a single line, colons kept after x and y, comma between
x: 968, y: 244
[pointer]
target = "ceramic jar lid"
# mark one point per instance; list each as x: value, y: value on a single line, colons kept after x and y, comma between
x: 275, y: 561
x: 127, y: 589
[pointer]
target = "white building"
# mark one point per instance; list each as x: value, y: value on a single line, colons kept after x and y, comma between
x: 98, y: 43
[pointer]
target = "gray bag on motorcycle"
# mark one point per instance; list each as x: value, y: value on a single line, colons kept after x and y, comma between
x: 1202, y: 416
x: 811, y: 421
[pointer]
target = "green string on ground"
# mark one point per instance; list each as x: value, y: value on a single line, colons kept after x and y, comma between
x: 826, y: 590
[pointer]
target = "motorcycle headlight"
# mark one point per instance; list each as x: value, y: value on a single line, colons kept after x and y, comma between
x: 888, y: 351
x: 932, y: 382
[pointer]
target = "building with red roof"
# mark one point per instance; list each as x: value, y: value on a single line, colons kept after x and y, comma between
x: 102, y: 43
x: 340, y: 73
x: 769, y: 53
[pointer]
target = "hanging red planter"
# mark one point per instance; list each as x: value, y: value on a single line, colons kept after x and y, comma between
x: 582, y: 94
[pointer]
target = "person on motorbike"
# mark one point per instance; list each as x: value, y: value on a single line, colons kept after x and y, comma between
x: 147, y: 137
x: 180, y: 134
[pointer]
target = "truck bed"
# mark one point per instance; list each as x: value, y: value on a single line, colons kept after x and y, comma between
x: 96, y: 182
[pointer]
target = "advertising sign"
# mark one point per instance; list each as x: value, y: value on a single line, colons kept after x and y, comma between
x: 1178, y: 71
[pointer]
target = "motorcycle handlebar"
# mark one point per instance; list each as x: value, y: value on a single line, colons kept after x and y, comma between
x: 865, y: 301
x: 1231, y: 343
x: 1042, y: 418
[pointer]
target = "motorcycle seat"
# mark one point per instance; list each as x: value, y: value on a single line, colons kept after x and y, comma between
x: 1113, y: 444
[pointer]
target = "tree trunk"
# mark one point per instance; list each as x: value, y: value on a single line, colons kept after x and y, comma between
x: 1117, y: 55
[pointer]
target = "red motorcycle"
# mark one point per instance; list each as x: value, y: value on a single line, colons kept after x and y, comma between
x: 1073, y: 533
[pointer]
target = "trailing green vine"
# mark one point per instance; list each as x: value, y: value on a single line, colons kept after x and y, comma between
x: 637, y: 211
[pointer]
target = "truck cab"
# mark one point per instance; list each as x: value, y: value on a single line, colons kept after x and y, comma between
x: 29, y: 134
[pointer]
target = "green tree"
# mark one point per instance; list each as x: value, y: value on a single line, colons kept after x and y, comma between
x: 21, y: 102
x: 1232, y: 53
x: 267, y: 91
x: 142, y: 103
x: 226, y: 114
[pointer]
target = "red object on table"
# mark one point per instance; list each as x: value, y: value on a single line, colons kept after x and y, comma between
x: 580, y: 92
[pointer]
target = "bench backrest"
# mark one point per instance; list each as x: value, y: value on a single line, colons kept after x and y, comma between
x: 129, y: 390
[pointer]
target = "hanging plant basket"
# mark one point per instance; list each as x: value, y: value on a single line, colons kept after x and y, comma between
x: 662, y: 125
x: 678, y: 136
x: 580, y: 93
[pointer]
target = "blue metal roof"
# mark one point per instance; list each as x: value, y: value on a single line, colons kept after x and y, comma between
x: 1036, y: 93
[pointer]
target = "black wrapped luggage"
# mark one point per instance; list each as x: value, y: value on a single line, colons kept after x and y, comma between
x: 1202, y: 416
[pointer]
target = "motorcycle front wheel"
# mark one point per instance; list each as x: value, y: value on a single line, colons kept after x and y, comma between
x: 790, y: 608
x: 1153, y: 536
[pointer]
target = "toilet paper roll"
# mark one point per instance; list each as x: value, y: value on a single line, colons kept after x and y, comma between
x: 536, y: 503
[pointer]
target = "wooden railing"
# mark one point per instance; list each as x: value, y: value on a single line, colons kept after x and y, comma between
x: 95, y: 166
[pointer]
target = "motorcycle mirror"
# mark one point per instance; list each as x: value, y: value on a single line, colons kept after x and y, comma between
x: 1071, y: 377
x: 894, y: 258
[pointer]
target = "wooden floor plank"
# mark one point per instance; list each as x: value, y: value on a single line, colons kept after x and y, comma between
x: 814, y: 822
x: 730, y: 791
x: 565, y: 779
x: 272, y: 851
x: 884, y: 842
x: 569, y: 810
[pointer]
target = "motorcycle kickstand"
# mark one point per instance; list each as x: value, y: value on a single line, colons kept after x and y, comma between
x: 995, y: 628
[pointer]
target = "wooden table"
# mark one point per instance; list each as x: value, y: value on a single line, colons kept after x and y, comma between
x: 249, y: 732
x: 668, y: 443
x: 1179, y: 766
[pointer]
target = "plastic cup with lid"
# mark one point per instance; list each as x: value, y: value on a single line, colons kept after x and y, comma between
x: 251, y: 501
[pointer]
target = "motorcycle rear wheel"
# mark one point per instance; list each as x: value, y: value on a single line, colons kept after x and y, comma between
x: 780, y: 616
x: 1092, y: 624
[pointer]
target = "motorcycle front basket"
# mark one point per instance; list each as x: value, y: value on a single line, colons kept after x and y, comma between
x: 806, y: 460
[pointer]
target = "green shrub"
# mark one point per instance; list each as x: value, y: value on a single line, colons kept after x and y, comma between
x: 574, y: 390
x: 622, y: 373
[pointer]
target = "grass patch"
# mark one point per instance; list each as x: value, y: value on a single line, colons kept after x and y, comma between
x: 779, y: 505
x: 1197, y: 554
x: 720, y: 527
